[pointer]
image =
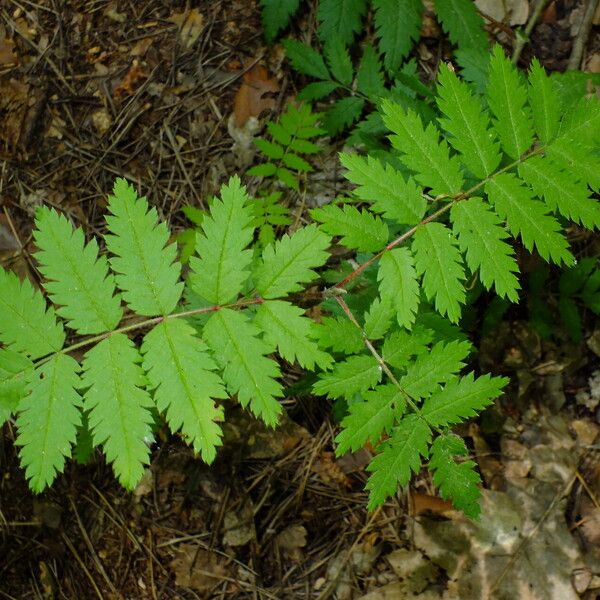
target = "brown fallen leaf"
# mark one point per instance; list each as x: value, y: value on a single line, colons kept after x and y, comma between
x: 250, y: 100
x: 197, y: 568
x: 8, y: 56
x: 191, y: 25
x: 128, y: 85
x: 424, y: 503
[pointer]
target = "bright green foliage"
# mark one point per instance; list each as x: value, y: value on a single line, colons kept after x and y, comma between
x: 400, y: 347
x: 438, y: 258
x: 467, y: 123
x: 561, y: 191
x: 422, y: 151
x: 398, y: 284
x: 544, y: 102
x: 118, y: 406
x: 27, y: 325
x: 459, y: 481
x: 437, y: 366
x: 247, y: 372
x: 340, y: 18
x: 399, y: 457
x: 223, y: 266
x: 52, y: 407
x: 290, y: 261
x: 481, y: 237
x: 398, y: 24
x: 461, y: 399
x: 368, y: 420
x: 181, y: 371
x: 269, y: 213
x: 15, y: 371
x: 291, y: 137
x: 340, y: 335
x: 528, y: 218
x: 507, y: 99
x: 351, y: 376
x: 378, y: 318
x: 359, y: 229
x: 391, y: 194
x: 76, y: 278
x: 146, y: 268
x: 286, y: 329
x: 276, y: 15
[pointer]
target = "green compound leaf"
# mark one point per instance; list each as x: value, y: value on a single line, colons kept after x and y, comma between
x: 378, y: 318
x: 146, y: 268
x: 15, y: 371
x: 340, y: 335
x: 481, y: 237
x: 317, y: 90
x: 398, y: 24
x: 269, y: 149
x: 577, y: 160
x: 467, y: 123
x: 429, y: 370
x: 26, y: 324
x: 340, y: 18
x: 400, y: 347
x: 528, y: 218
x: 276, y: 15
x: 507, y: 99
x: 222, y: 269
x: 338, y: 59
x: 305, y: 60
x: 285, y: 328
x: 77, y: 279
x: 369, y: 79
x: 544, y: 102
x: 462, y: 398
x: 398, y: 284
x: 438, y: 259
x: 458, y: 481
x: 48, y: 420
x: 290, y: 261
x: 421, y: 150
x: 354, y: 375
x: 118, y: 408
x: 390, y: 193
x: 561, y: 191
x: 397, y: 458
x: 247, y: 372
x: 369, y: 419
x: 342, y: 114
x: 181, y: 372
x: 293, y: 161
x: 359, y: 229
x: 463, y: 24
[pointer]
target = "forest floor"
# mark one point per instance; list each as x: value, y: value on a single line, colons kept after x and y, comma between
x: 154, y: 92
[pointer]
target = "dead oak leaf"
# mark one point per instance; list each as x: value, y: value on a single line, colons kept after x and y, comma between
x: 251, y: 99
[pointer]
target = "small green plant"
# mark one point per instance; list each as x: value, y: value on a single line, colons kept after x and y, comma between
x: 427, y: 216
x: 290, y: 139
x: 397, y: 24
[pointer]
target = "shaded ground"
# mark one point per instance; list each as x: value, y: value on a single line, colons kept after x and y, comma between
x: 145, y: 90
